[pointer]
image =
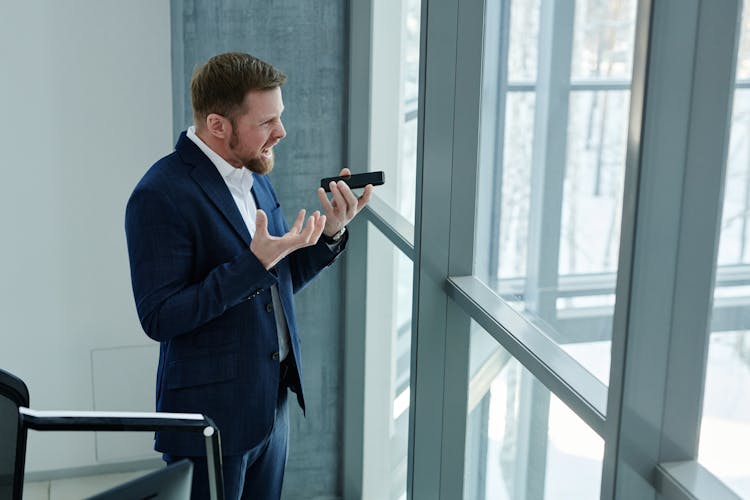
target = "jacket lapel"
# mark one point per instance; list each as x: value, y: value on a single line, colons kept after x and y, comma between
x: 209, y: 179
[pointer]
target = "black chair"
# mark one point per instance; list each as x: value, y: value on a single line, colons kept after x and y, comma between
x: 16, y: 418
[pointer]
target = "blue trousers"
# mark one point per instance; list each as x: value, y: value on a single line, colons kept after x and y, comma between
x: 256, y: 474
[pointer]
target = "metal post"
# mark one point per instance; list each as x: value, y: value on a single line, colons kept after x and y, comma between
x: 213, y: 456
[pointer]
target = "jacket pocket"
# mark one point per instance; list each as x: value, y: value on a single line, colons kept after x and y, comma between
x: 210, y: 369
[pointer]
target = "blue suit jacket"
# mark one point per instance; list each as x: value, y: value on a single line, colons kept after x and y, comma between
x: 206, y: 298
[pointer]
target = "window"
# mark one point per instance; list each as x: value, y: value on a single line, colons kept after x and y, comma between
x: 553, y: 170
x: 379, y: 354
x: 523, y: 442
x: 725, y: 426
x: 394, y: 92
x: 568, y: 189
x: 388, y: 344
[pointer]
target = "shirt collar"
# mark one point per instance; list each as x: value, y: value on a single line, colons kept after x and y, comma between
x: 227, y: 171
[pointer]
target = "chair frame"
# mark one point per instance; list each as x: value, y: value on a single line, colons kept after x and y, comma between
x: 15, y: 389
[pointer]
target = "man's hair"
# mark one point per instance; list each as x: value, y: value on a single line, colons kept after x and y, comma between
x: 220, y: 85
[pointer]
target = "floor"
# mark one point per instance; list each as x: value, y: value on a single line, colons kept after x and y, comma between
x: 76, y: 488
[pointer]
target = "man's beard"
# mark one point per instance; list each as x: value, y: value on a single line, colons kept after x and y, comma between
x: 260, y: 165
x: 256, y: 164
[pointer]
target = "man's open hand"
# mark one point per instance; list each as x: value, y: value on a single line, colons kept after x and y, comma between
x: 271, y: 249
x: 343, y: 206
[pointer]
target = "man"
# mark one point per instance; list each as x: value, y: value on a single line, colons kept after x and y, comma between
x: 214, y: 266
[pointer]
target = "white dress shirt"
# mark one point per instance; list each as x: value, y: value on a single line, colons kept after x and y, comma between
x: 240, y: 183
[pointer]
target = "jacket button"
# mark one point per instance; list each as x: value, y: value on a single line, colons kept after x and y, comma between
x: 269, y: 307
x: 275, y: 356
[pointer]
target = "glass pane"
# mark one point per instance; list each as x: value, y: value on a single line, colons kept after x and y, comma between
x: 522, y: 442
x: 548, y: 241
x: 734, y: 244
x: 594, y: 176
x: 395, y: 90
x: 516, y: 172
x: 603, y: 39
x: 743, y: 59
x: 388, y: 345
x: 725, y: 428
x: 524, y: 40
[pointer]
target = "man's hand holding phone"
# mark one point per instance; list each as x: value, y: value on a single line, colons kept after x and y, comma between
x: 343, y: 206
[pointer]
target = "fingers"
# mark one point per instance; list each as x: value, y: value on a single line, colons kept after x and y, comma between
x: 345, y: 171
x: 337, y: 200
x: 261, y: 223
x: 297, y: 226
x: 362, y: 201
x: 350, y: 200
x: 319, y: 227
x: 327, y: 207
x: 307, y: 233
x: 312, y: 231
x: 344, y: 200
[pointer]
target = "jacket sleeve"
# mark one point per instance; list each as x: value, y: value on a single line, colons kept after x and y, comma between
x: 160, y: 246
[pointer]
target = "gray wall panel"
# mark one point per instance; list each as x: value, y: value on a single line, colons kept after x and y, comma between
x: 306, y: 40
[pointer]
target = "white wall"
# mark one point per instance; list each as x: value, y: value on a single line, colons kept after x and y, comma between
x: 85, y: 95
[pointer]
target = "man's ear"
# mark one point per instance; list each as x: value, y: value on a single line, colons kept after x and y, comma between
x: 218, y: 126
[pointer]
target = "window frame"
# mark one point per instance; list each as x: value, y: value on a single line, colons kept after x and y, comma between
x: 671, y: 213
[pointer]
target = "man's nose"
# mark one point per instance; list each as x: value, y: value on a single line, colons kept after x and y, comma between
x: 280, y: 132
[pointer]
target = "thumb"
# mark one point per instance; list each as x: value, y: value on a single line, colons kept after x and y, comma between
x: 261, y: 222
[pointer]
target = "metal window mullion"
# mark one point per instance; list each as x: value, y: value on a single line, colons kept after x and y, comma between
x: 576, y: 85
x: 642, y: 134
x: 599, y: 85
x: 708, y: 141
x: 549, y: 155
x: 355, y: 271
x: 462, y: 230
x: 431, y: 242
x: 451, y: 60
x: 674, y: 178
x: 355, y: 310
x: 492, y: 138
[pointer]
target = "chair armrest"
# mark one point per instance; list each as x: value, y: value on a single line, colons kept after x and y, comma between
x: 135, y: 421
x: 112, y: 421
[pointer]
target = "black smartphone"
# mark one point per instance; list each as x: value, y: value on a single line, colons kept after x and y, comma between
x: 355, y: 181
